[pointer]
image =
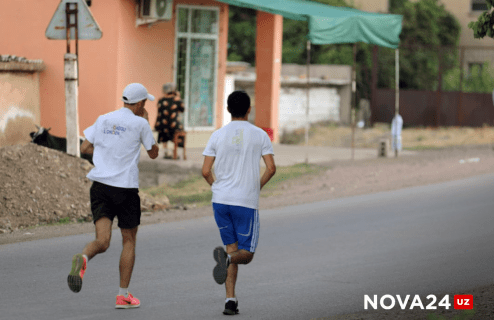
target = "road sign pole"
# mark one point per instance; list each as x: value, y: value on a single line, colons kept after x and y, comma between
x: 71, y: 104
x: 71, y: 73
x: 67, y: 16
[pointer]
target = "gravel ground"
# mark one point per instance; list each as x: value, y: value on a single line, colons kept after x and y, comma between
x: 343, y: 179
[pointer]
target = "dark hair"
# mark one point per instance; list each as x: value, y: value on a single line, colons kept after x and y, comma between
x: 238, y: 103
x: 135, y: 103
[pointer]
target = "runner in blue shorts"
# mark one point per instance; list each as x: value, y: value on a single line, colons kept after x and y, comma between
x: 236, y: 150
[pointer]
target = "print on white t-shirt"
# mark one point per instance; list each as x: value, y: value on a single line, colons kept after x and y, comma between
x: 117, y: 137
x: 238, y: 148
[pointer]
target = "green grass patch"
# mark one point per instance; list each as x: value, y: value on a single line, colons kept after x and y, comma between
x: 422, y: 148
x: 62, y: 221
x: 465, y: 315
x: 192, y: 190
x: 285, y: 174
x: 195, y: 190
x: 198, y: 198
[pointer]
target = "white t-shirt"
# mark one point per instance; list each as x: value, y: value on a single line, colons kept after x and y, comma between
x: 238, y: 148
x: 117, y: 138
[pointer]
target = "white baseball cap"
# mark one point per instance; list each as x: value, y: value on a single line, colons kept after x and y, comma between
x: 135, y: 92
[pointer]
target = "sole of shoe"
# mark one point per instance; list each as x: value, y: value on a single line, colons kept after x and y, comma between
x: 74, y: 280
x: 229, y: 312
x: 127, y: 306
x: 220, y: 270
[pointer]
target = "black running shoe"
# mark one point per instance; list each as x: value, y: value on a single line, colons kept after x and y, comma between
x: 231, y: 308
x: 219, y: 272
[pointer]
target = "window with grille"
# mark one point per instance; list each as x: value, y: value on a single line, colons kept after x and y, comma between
x: 197, y: 63
x: 479, y: 5
x: 475, y: 69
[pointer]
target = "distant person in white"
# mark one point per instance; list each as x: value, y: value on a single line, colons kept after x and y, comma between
x: 115, y: 141
x: 396, y: 127
x: 236, y: 151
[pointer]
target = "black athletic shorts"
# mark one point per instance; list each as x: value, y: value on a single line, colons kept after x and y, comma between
x: 108, y: 201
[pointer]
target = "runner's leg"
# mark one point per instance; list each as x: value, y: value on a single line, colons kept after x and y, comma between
x: 231, y: 276
x: 103, y: 237
x: 240, y: 256
x: 127, y: 258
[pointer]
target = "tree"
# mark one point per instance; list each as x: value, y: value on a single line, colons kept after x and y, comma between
x: 242, y: 35
x: 427, y: 28
x: 484, y: 26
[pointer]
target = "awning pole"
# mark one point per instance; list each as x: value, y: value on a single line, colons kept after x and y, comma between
x: 354, y: 98
x: 397, y: 79
x: 397, y: 88
x: 308, y: 105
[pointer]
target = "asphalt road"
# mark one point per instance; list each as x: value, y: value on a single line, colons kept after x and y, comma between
x: 313, y: 260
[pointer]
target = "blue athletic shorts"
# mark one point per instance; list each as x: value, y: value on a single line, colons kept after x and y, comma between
x: 237, y: 224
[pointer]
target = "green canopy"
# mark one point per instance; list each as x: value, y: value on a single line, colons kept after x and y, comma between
x: 329, y: 25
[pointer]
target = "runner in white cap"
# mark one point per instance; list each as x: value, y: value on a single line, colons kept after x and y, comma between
x: 115, y: 140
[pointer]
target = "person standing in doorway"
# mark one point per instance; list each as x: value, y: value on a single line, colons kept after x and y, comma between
x: 115, y: 141
x: 167, y: 121
x: 236, y: 151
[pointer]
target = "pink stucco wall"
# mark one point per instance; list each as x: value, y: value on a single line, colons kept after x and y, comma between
x: 124, y: 54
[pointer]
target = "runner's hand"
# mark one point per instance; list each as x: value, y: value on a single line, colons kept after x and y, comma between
x: 144, y: 114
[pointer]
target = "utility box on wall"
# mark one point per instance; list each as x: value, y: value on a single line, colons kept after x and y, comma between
x: 20, y: 103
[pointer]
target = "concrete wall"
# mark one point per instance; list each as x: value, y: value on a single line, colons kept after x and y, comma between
x: 324, y: 105
x: 330, y: 93
x: 337, y: 77
x: 371, y: 5
x: 319, y: 71
x: 19, y: 106
x: 345, y: 94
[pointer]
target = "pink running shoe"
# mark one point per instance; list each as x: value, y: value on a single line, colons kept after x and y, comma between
x: 74, y: 279
x: 127, y: 303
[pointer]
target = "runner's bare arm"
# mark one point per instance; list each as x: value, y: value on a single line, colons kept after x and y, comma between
x: 153, y: 153
x: 270, y: 169
x: 87, y: 147
x: 206, y: 169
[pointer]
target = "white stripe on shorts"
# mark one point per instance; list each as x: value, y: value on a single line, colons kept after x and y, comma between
x: 255, y: 235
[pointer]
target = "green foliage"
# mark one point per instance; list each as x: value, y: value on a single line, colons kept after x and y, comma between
x: 294, y: 41
x: 394, y: 5
x: 242, y: 35
x: 426, y: 27
x: 484, y: 24
x: 481, y: 79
